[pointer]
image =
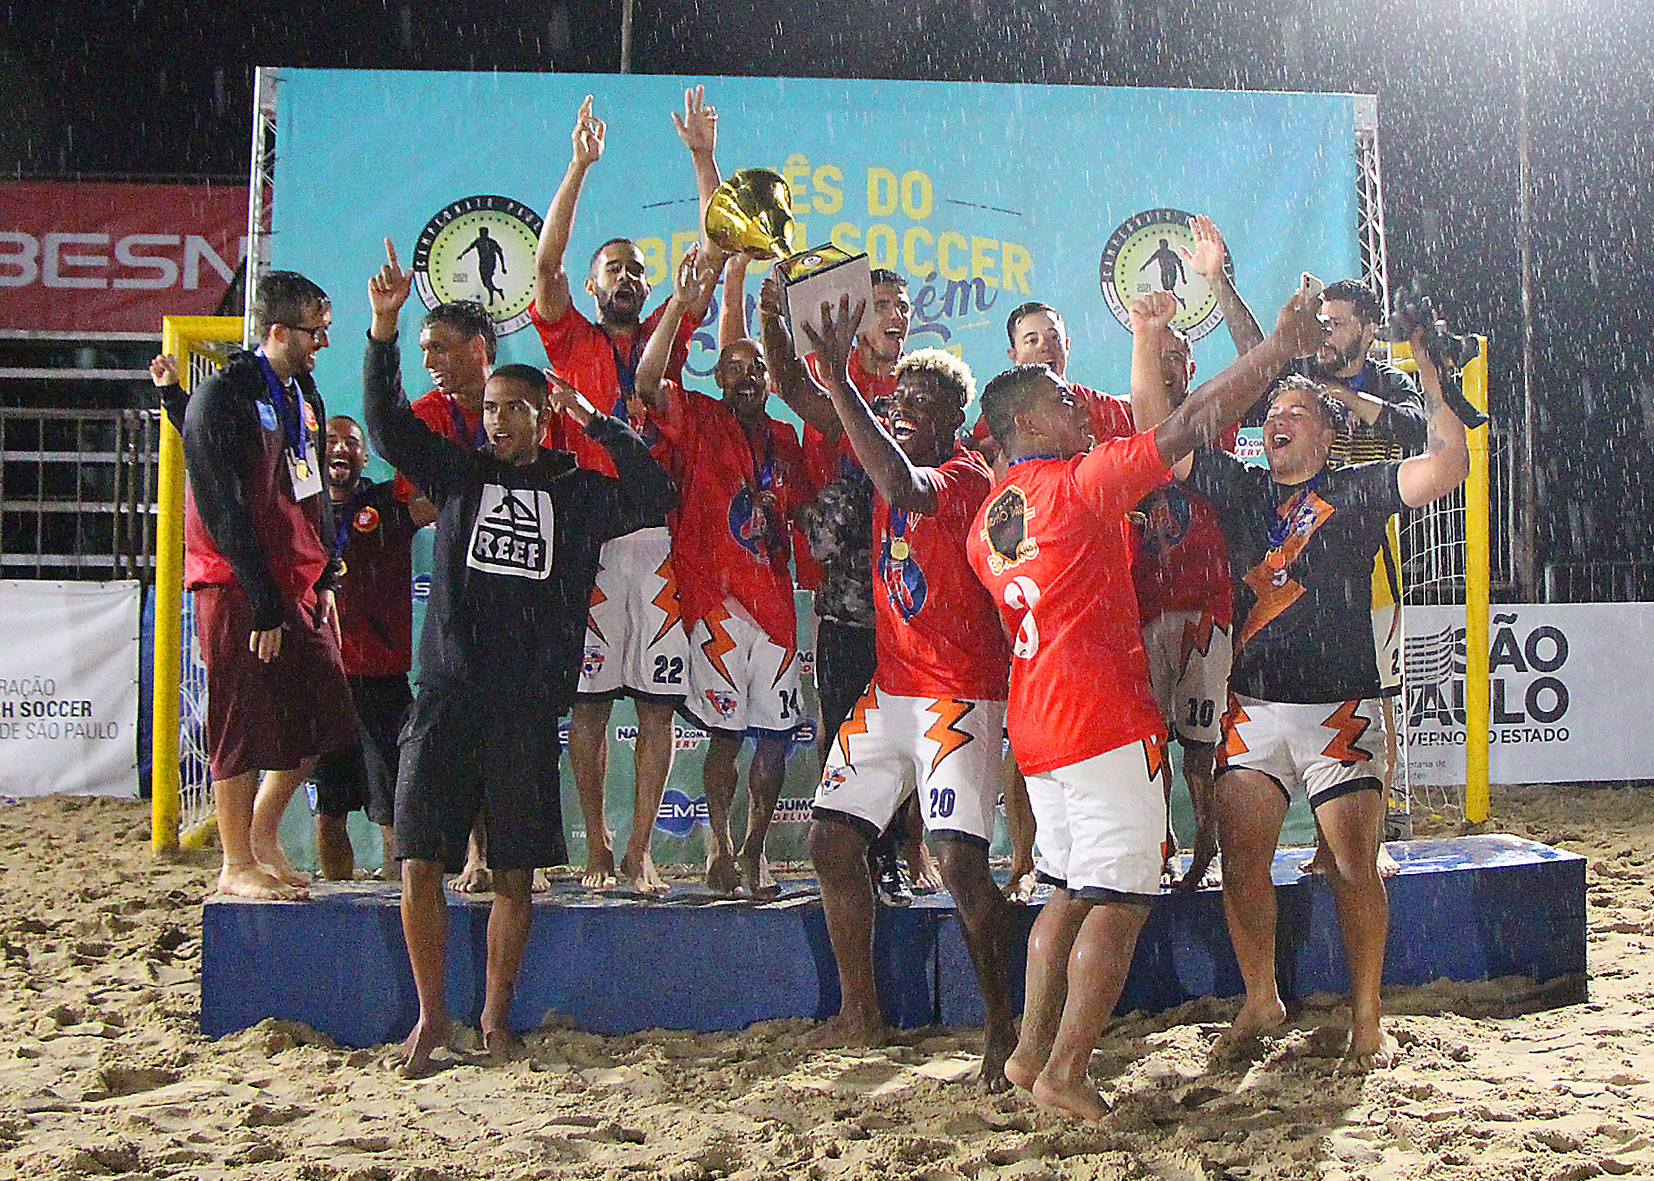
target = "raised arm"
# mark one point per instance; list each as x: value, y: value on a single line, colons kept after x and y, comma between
x: 398, y: 436
x: 1405, y: 422
x: 698, y: 129
x: 1216, y: 403
x: 789, y: 374
x: 892, y: 473
x: 1206, y: 260
x: 691, y: 288
x: 732, y: 315
x: 1446, y: 458
x: 642, y: 488
x: 551, y: 279
x: 1151, y: 402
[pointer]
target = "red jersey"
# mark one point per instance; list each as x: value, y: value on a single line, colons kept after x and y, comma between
x: 828, y: 460
x: 726, y: 542
x: 444, y: 415
x: 1049, y: 545
x: 601, y: 367
x: 937, y: 632
x: 375, y: 589
x: 1179, y: 561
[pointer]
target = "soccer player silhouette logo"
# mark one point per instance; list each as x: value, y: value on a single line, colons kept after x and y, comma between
x: 489, y: 256
x: 1171, y: 270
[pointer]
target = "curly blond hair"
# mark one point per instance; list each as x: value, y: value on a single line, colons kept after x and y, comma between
x: 952, y: 375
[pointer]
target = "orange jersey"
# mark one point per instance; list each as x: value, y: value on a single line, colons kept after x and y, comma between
x: 938, y: 633
x: 1050, y: 545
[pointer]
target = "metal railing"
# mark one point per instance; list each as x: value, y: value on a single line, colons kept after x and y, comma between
x: 77, y: 493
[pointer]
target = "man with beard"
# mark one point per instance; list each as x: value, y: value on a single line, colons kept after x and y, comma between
x: 372, y: 533
x: 635, y: 642
x: 936, y: 706
x: 256, y: 532
x: 741, y: 478
x: 1049, y: 544
x: 518, y: 531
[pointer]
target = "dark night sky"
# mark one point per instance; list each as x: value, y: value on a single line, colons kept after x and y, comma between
x: 147, y: 89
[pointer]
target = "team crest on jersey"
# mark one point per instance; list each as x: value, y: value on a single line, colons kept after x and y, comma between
x: 513, y: 533
x: 366, y: 519
x: 832, y: 779
x: 1166, y: 516
x: 592, y: 662
x: 746, y: 522
x: 1144, y: 254
x: 724, y: 703
x: 904, y: 582
x: 1005, y: 529
x: 482, y: 248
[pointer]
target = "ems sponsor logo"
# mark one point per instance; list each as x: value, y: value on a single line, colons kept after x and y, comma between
x: 678, y: 814
x: 794, y: 811
x: 482, y: 248
x: 513, y: 533
x: 683, y: 737
x: 1529, y: 699
x: 723, y: 702
x: 1146, y: 253
x: 592, y: 663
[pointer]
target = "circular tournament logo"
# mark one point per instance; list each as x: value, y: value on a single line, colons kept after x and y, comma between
x: 1142, y: 255
x: 480, y: 248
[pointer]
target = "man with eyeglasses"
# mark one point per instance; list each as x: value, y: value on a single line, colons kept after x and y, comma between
x: 256, y: 529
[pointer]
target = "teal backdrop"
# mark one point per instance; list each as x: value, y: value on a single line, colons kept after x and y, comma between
x: 983, y: 195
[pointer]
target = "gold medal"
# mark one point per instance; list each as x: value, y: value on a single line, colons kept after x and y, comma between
x: 301, y: 469
x: 899, y: 549
x: 343, y: 569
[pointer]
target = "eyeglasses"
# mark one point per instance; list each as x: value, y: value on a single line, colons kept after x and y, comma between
x: 318, y: 333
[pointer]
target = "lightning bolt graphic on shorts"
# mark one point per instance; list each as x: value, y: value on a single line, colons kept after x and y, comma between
x: 718, y: 645
x: 1232, y: 718
x: 667, y: 599
x: 856, y: 723
x: 1197, y: 637
x: 781, y: 669
x: 598, y: 598
x: 1349, y: 728
x: 949, y: 713
x: 1154, y: 758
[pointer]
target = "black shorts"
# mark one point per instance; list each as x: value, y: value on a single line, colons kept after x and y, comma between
x: 845, y: 659
x: 471, y: 752
x: 363, y: 775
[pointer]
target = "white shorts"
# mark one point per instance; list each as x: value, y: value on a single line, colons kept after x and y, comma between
x: 1189, y: 656
x: 1100, y: 823
x: 739, y: 678
x: 951, y: 751
x: 1328, y: 749
x: 635, y: 637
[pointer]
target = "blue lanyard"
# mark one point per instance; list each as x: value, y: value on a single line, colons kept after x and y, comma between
x: 287, y: 409
x: 478, y: 436
x: 626, y: 371
x: 1031, y: 458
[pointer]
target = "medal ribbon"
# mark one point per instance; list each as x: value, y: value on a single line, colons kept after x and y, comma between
x: 288, y: 413
x: 478, y: 436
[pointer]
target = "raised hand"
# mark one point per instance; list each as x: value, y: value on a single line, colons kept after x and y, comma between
x: 695, y: 275
x: 837, y: 338
x: 565, y: 399
x: 698, y: 125
x: 1152, y: 313
x: 1299, y: 324
x: 588, y: 135
x: 1206, y: 259
x: 769, y: 297
x: 388, y: 289
x: 163, y: 370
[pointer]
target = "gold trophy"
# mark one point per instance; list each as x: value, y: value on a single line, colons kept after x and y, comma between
x: 751, y: 213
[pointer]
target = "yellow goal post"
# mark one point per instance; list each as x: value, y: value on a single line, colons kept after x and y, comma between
x: 1460, y: 522
x: 181, y: 811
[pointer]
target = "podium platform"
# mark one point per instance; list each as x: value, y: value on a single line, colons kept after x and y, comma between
x: 1464, y: 908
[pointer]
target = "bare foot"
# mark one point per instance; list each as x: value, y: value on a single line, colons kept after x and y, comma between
x: 420, y: 1044
x: 922, y: 869
x: 843, y: 1032
x: 599, y: 873
x: 756, y: 878
x: 1020, y: 886
x: 1318, y: 863
x: 642, y: 877
x: 254, y: 881
x: 1079, y: 1098
x: 475, y: 878
x: 1021, y: 1072
x: 1369, y: 1050
x: 540, y: 883
x: 1388, y: 866
x: 274, y: 860
x: 501, y: 1044
x: 721, y: 875
x: 1251, y: 1023
x: 997, y: 1045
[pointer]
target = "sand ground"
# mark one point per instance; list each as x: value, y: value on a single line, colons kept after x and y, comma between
x: 103, y: 1070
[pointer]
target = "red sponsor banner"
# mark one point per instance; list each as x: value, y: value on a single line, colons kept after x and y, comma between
x: 95, y: 257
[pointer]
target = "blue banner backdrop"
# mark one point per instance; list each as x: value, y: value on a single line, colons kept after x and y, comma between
x: 983, y: 195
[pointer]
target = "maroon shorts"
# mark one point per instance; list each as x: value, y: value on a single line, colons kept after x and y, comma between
x: 269, y: 717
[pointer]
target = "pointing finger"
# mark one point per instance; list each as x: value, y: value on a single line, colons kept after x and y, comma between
x: 390, y: 253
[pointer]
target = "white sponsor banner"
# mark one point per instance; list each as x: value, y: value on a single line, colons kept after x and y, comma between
x: 68, y: 688
x: 1569, y: 695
